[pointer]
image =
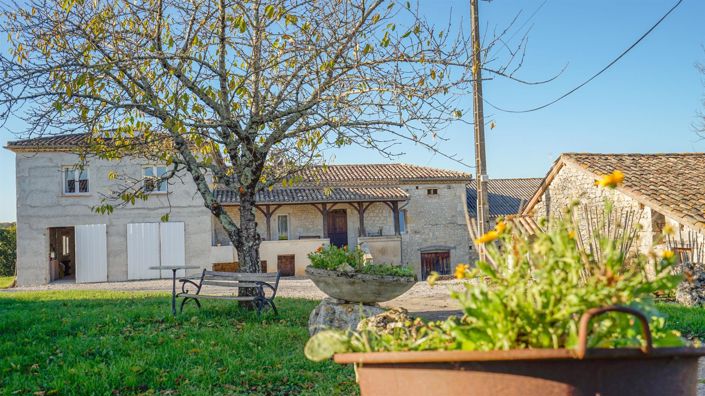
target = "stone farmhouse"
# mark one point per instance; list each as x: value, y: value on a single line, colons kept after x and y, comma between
x: 400, y: 214
x: 658, y: 190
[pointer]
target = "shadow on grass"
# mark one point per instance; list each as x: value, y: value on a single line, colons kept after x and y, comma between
x: 91, y: 342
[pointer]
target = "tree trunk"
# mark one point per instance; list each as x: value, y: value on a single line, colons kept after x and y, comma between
x: 248, y: 244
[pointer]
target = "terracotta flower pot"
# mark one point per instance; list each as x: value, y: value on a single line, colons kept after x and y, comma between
x: 546, y: 372
x: 363, y: 288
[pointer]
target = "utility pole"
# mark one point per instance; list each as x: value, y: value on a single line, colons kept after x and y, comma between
x: 483, y: 209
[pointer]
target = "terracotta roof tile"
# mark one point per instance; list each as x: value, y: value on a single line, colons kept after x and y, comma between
x: 318, y: 195
x: 672, y: 183
x: 55, y: 142
x: 379, y: 174
x: 506, y: 196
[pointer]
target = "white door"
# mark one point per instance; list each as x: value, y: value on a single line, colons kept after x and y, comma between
x: 142, y: 250
x: 91, y: 253
x: 173, y: 251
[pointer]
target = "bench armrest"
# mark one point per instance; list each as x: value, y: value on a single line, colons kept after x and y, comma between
x: 185, y: 283
x: 262, y: 285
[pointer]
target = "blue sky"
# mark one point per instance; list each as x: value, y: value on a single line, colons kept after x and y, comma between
x: 648, y: 102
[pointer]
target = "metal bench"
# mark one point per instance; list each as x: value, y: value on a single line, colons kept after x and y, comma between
x: 264, y: 283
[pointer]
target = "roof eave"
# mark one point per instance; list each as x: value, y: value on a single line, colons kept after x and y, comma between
x: 348, y: 201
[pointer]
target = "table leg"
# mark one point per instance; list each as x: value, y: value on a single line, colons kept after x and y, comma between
x: 173, y: 292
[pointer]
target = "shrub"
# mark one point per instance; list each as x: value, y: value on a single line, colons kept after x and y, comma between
x: 8, y: 250
x: 387, y: 270
x: 333, y: 258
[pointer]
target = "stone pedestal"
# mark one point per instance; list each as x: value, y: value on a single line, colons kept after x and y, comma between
x: 338, y: 314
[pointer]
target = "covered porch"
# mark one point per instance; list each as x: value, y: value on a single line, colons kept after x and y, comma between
x: 296, y: 221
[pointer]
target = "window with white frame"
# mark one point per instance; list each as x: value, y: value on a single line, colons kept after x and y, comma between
x: 75, y: 180
x: 151, y: 175
x: 283, y: 227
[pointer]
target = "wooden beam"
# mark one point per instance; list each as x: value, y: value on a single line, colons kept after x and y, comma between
x: 324, y: 213
x: 268, y: 220
x: 395, y: 210
x: 361, y: 214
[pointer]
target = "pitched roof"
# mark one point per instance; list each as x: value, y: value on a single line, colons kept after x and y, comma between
x: 670, y: 183
x: 383, y: 174
x: 505, y: 196
x: 329, y: 175
x: 318, y: 195
x: 54, y: 143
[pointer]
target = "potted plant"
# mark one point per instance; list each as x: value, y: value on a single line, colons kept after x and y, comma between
x: 343, y: 274
x: 540, y: 317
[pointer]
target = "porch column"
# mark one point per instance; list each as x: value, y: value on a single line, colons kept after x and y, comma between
x: 268, y: 218
x: 324, y: 213
x: 395, y: 211
x: 361, y: 213
x: 268, y: 212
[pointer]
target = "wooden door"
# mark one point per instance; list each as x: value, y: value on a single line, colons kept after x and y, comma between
x: 435, y: 261
x: 286, y: 265
x: 338, y: 227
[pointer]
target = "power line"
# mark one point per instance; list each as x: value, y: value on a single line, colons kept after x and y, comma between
x: 615, y: 60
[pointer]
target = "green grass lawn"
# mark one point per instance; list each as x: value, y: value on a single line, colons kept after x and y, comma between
x: 6, y: 281
x: 689, y: 321
x: 119, y: 343
x: 77, y: 342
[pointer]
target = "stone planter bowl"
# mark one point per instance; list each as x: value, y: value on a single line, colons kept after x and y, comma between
x: 363, y: 288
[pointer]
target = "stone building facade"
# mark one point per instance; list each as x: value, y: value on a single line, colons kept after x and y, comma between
x: 658, y: 190
x: 400, y: 214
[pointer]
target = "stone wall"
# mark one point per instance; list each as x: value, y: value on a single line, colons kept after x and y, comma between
x: 436, y: 222
x: 572, y: 183
x: 41, y: 204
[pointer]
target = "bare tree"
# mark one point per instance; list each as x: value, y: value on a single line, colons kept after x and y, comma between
x: 237, y: 93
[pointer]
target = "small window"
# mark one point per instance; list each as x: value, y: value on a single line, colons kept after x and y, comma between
x: 432, y: 191
x: 75, y: 181
x: 402, y: 221
x: 283, y: 227
x: 152, y: 182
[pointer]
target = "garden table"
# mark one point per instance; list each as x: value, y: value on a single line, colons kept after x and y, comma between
x: 173, y: 269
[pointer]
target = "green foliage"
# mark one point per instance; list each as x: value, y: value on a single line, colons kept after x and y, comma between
x: 333, y: 258
x: 129, y: 343
x: 8, y: 250
x: 534, y: 295
x: 387, y: 270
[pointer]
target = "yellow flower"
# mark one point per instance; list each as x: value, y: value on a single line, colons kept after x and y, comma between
x: 500, y: 227
x: 612, y: 180
x: 460, y: 270
x: 667, y: 254
x: 432, y: 278
x: 487, y: 237
x: 571, y: 235
x: 668, y: 230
